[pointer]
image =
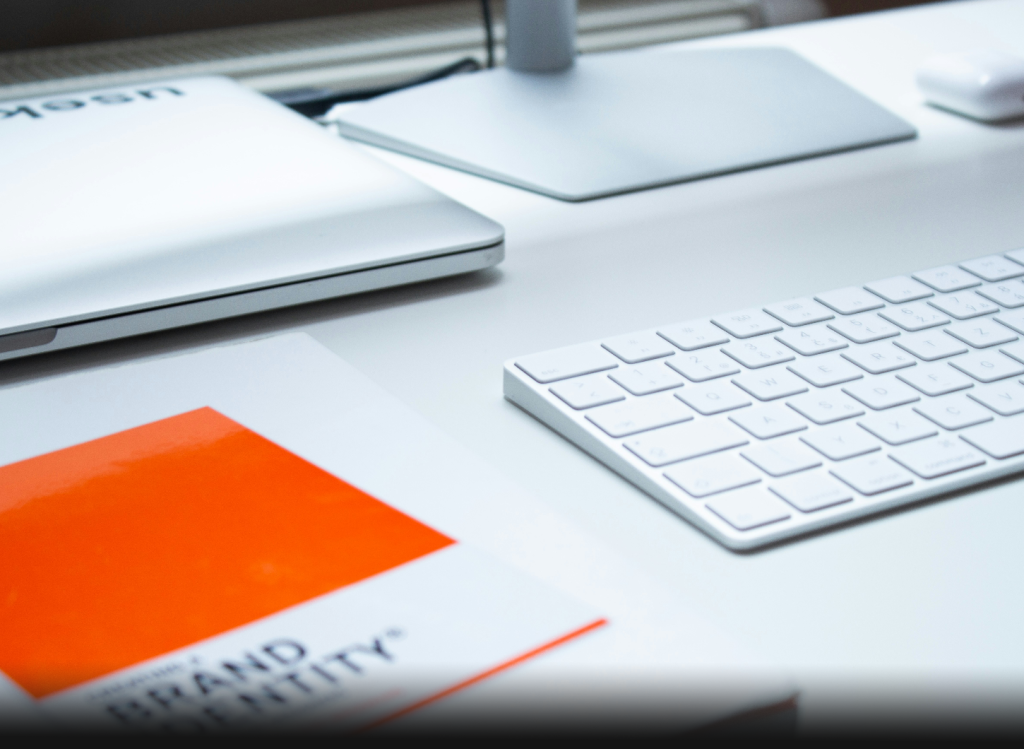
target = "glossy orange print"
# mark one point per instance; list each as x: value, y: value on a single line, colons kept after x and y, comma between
x: 127, y: 547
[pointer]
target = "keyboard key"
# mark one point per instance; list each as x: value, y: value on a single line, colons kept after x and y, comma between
x: 690, y: 336
x: 644, y: 379
x: 589, y: 391
x: 797, y: 312
x: 993, y: 268
x: 713, y: 397
x: 770, y: 384
x: 879, y: 393
x: 826, y: 407
x: 914, y: 317
x: 878, y: 358
x: 563, y: 363
x: 639, y: 415
x: 678, y: 442
x: 1005, y: 398
x: 935, y: 379
x: 953, y: 412
x: 964, y: 306
x: 749, y: 508
x: 812, y: 491
x: 702, y: 477
x: 761, y: 352
x: 781, y: 457
x: 639, y: 347
x: 988, y: 366
x: 850, y: 300
x: 1013, y: 320
x: 705, y: 365
x: 899, y: 289
x: 872, y: 474
x: 947, y: 278
x: 841, y: 441
x: 1002, y: 438
x: 1016, y: 255
x: 864, y: 328
x: 898, y: 427
x: 769, y: 421
x: 823, y: 371
x: 937, y: 457
x: 1014, y: 351
x: 980, y: 333
x: 812, y: 340
x: 1009, y: 294
x: 747, y: 323
x: 931, y: 346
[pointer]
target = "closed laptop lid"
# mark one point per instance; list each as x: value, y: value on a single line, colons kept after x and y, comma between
x: 119, y: 200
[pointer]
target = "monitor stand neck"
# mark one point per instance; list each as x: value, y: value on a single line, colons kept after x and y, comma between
x: 540, y: 35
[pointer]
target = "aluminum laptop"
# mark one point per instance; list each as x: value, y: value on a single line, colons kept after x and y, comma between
x: 130, y: 210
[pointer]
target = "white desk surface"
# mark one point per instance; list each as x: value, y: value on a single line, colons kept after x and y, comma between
x: 917, y: 611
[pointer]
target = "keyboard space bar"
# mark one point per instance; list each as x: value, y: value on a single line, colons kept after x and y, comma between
x: 1001, y: 439
x: 683, y: 441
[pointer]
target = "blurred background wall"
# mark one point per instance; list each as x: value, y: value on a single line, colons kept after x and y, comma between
x: 28, y: 24
x: 283, y: 46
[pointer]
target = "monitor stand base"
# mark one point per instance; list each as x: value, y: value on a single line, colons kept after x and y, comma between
x: 624, y: 121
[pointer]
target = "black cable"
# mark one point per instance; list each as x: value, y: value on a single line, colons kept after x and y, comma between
x: 485, y: 6
x: 316, y: 102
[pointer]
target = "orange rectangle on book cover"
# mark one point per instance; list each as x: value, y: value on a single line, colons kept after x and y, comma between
x: 130, y: 546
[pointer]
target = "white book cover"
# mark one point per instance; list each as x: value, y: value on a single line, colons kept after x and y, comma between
x: 256, y: 535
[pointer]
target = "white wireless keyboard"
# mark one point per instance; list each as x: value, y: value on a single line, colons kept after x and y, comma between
x: 772, y: 422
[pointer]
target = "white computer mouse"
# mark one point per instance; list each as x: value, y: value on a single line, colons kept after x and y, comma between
x: 986, y: 84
